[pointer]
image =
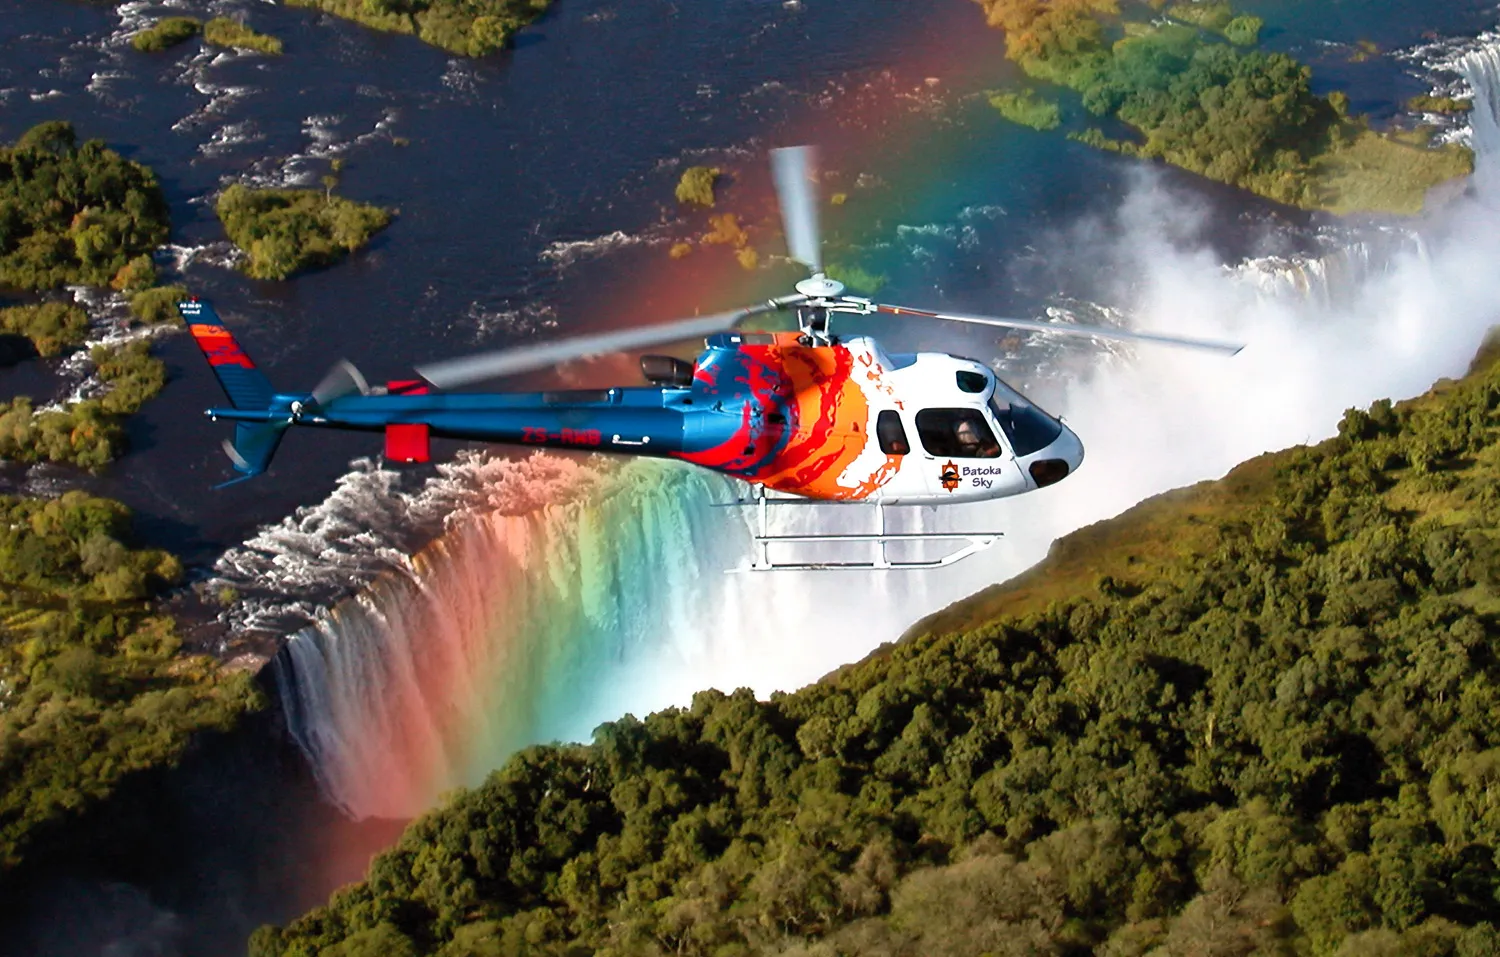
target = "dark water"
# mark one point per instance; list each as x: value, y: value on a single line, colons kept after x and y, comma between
x: 577, y: 134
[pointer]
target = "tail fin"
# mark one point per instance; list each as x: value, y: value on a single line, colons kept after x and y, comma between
x: 254, y: 444
x: 247, y: 388
x: 245, y: 385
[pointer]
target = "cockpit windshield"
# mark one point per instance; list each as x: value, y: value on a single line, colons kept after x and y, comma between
x: 1028, y: 428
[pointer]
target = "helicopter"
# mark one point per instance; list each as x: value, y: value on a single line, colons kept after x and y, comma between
x: 805, y: 417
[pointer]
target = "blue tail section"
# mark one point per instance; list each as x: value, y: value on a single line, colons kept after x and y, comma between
x: 254, y: 444
x: 245, y: 385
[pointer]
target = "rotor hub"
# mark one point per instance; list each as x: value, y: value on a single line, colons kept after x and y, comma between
x: 821, y: 287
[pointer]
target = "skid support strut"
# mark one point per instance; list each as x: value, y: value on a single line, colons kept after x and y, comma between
x: 880, y: 560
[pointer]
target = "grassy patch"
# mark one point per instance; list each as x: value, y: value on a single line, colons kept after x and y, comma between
x: 133, y: 374
x: 1371, y: 172
x: 166, y: 33
x: 857, y: 279
x: 224, y: 32
x: 158, y: 305
x: 1212, y: 15
x: 1027, y: 109
x: 1439, y: 104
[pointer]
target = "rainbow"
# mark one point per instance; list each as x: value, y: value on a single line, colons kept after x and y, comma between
x: 530, y: 625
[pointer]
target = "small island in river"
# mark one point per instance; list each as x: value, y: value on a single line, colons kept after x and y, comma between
x: 465, y: 27
x: 283, y: 231
x: 1246, y: 118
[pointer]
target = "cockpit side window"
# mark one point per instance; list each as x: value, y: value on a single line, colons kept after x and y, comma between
x: 891, y: 433
x: 1028, y: 428
x: 961, y: 433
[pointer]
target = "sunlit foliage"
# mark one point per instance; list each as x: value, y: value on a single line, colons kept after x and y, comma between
x: 136, y: 275
x: 166, y: 33
x: 72, y: 213
x: 224, y: 32
x: 1027, y: 109
x: 158, y: 305
x: 92, y: 683
x: 52, y: 327
x: 83, y: 434
x: 1253, y: 716
x: 132, y: 374
x: 465, y: 27
x: 286, y: 230
x: 697, y: 185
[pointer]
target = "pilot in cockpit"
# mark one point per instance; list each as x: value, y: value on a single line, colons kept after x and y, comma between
x: 971, y: 443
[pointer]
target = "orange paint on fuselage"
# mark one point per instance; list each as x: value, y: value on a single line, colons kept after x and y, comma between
x: 829, y: 413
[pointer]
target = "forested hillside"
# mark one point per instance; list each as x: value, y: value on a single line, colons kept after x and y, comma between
x: 1254, y: 716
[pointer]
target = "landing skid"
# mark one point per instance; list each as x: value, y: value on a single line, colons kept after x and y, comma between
x: 880, y: 538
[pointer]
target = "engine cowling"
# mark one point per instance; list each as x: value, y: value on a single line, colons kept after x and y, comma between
x: 667, y: 371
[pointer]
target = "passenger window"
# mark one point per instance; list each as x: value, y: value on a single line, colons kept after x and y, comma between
x: 962, y: 433
x: 972, y: 382
x: 891, y: 433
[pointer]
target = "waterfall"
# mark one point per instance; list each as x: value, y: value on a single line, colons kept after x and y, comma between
x: 1480, y: 68
x: 605, y: 591
x: 510, y: 629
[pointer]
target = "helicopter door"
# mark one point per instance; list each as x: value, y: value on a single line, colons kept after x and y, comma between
x: 963, y: 456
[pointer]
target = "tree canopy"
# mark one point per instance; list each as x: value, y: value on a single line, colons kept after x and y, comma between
x: 287, y: 230
x: 1253, y: 716
x: 92, y: 684
x: 73, y: 213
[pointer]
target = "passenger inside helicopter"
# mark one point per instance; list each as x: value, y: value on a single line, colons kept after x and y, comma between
x: 961, y: 433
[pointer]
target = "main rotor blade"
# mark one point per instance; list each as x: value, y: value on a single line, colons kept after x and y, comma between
x: 1069, y: 329
x: 341, y: 380
x: 452, y: 373
x: 792, y: 168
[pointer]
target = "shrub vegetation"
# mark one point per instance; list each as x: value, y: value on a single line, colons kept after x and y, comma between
x: 92, y: 684
x: 1252, y: 716
x: 224, y: 32
x: 52, y: 327
x: 73, y: 213
x: 166, y: 33
x: 158, y: 305
x: 1027, y: 109
x: 697, y: 185
x: 465, y: 27
x: 286, y: 230
x: 82, y: 434
x: 132, y: 373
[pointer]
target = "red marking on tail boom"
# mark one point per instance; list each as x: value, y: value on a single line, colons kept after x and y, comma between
x: 219, y: 347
